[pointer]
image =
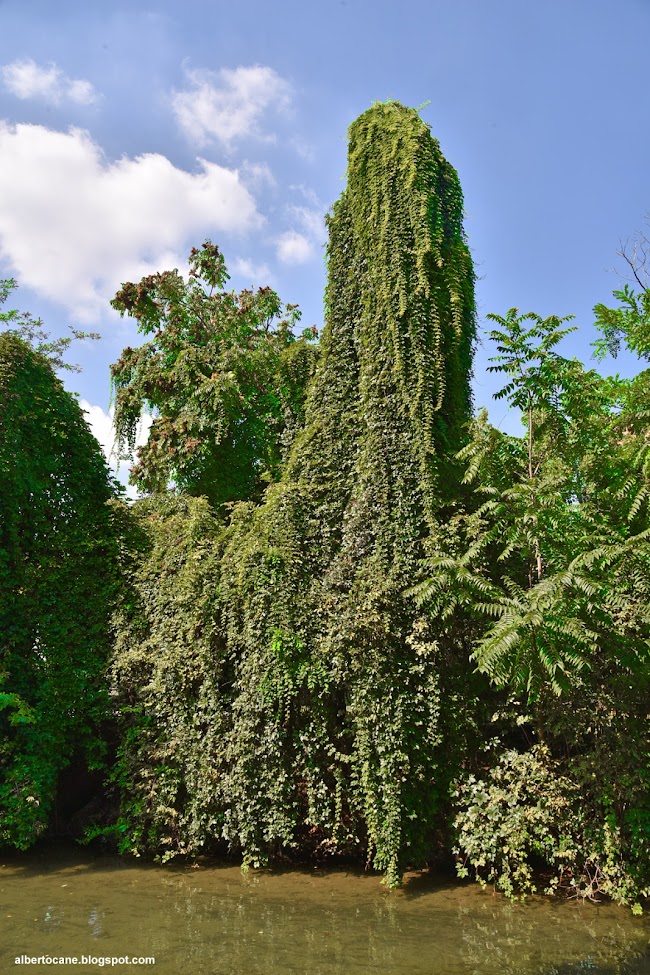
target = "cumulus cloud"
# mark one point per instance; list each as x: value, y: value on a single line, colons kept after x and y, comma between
x: 27, y: 79
x: 311, y: 220
x: 257, y: 174
x: 73, y: 225
x: 101, y: 424
x: 297, y: 246
x: 304, y: 149
x: 294, y: 248
x: 229, y: 104
x: 257, y: 275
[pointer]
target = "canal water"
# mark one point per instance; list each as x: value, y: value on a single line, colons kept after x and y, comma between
x: 214, y: 920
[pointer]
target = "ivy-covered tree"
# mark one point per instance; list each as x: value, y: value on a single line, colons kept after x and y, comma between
x: 57, y: 583
x: 171, y: 678
x: 223, y: 375
x: 315, y: 667
x: 338, y: 687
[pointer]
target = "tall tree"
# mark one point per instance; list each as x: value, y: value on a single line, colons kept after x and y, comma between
x: 57, y: 578
x: 335, y: 691
x: 223, y: 375
x: 551, y: 571
x: 562, y: 514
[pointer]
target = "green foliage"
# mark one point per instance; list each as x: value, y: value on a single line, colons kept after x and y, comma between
x: 328, y: 729
x: 557, y: 552
x: 223, y: 375
x: 534, y: 817
x: 31, y: 330
x: 331, y: 552
x: 519, y: 812
x: 57, y: 578
x: 629, y: 323
x: 406, y: 208
x: 548, y: 572
x: 169, y: 678
x: 601, y: 734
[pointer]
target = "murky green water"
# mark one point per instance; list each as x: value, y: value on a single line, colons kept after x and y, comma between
x: 215, y: 921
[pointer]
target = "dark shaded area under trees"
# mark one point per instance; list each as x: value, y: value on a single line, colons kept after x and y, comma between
x: 350, y: 619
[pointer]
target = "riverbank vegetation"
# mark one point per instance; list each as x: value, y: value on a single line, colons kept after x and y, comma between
x: 349, y: 618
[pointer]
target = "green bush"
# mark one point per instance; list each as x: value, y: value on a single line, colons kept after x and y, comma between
x: 516, y: 815
x: 526, y: 820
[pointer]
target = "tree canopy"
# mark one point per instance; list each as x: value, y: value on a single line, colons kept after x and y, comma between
x: 57, y: 586
x: 223, y: 375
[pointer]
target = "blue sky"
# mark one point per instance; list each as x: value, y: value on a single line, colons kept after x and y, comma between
x: 130, y: 131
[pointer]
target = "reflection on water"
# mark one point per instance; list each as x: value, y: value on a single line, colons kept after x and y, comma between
x: 216, y: 921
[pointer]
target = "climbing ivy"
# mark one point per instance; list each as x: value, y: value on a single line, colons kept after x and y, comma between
x: 331, y: 719
x: 417, y: 300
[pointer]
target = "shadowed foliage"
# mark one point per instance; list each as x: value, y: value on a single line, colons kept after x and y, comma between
x: 57, y: 584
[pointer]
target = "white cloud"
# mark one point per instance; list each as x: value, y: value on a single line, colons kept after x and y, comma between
x: 257, y: 174
x: 101, y: 424
x: 299, y: 246
x: 304, y: 149
x: 73, y: 226
x: 311, y: 221
x: 27, y: 79
x: 294, y: 248
x: 257, y: 275
x: 228, y: 104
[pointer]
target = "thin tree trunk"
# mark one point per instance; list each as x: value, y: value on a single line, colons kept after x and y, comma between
x: 538, y: 551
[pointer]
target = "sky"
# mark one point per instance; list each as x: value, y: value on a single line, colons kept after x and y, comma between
x: 131, y: 131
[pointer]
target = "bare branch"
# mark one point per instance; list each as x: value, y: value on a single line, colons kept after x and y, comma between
x: 638, y: 260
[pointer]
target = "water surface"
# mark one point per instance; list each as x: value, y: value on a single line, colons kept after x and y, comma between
x: 213, y: 920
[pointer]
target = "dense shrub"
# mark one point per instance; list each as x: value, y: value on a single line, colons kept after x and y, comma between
x: 58, y: 581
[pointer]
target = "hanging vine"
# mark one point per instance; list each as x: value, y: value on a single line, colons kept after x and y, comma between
x: 330, y: 730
